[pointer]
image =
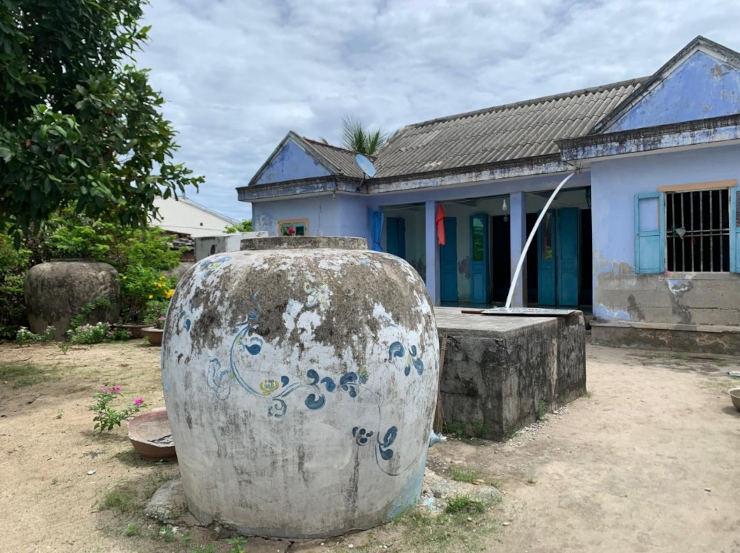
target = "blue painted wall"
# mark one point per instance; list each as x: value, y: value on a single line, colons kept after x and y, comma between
x: 292, y: 162
x: 327, y: 216
x: 700, y: 88
x: 620, y: 293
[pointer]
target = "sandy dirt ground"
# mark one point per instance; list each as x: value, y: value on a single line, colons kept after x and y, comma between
x: 649, y: 461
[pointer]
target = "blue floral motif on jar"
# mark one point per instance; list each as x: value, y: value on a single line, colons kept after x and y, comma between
x: 411, y: 357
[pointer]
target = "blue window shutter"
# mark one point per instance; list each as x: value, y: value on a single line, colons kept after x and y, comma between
x: 649, y: 233
x: 735, y: 230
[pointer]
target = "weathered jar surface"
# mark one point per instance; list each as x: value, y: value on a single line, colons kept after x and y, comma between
x: 300, y: 382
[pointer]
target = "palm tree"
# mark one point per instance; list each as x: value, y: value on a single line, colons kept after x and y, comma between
x: 361, y: 140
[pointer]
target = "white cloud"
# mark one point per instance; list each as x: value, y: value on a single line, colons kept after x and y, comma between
x: 237, y: 75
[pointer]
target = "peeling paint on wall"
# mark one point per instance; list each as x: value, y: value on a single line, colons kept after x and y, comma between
x: 677, y: 289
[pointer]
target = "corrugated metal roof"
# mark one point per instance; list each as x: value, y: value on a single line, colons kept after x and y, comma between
x: 340, y: 158
x: 502, y: 133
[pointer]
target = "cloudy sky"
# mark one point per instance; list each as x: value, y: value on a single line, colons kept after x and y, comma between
x: 238, y: 74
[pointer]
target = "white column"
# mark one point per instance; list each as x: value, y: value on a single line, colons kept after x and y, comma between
x: 518, y: 229
x: 432, y: 251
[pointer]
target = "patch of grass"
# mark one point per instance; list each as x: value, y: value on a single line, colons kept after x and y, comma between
x: 423, y: 532
x: 464, y: 474
x: 464, y: 504
x: 206, y: 548
x: 480, y: 429
x: 123, y: 500
x: 462, y: 430
x: 132, y: 529
x: 541, y: 410
x: 455, y: 429
x: 131, y: 497
x: 20, y: 375
x: 238, y: 545
x: 167, y: 534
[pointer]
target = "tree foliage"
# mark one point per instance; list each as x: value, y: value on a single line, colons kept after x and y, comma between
x: 80, y: 125
x: 357, y: 138
x: 243, y: 226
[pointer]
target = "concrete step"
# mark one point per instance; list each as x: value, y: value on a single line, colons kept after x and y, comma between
x: 714, y: 339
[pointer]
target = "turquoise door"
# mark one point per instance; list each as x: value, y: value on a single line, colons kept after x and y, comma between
x: 448, y: 262
x: 546, y: 260
x: 567, y: 246
x: 479, y: 258
x: 395, y: 238
x: 558, y: 257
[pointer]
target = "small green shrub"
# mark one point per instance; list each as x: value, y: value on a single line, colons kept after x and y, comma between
x: 24, y: 336
x: 132, y: 530
x: 167, y: 534
x: 155, y: 313
x: 238, y: 545
x: 464, y: 504
x: 89, y: 334
x: 106, y: 416
x: 14, y: 262
x: 90, y: 310
x: 119, y: 334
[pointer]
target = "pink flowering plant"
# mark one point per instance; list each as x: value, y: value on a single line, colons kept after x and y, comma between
x: 106, y: 415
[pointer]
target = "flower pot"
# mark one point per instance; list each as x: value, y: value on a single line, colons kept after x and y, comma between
x: 154, y: 335
x: 134, y: 330
x: 151, y: 436
x: 735, y: 397
x: 300, y: 381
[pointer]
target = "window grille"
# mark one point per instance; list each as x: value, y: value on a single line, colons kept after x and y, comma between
x: 698, y: 230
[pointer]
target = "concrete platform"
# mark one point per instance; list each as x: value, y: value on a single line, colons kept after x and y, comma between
x: 714, y: 339
x: 501, y: 373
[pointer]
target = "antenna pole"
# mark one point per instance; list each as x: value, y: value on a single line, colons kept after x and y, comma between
x: 512, y: 287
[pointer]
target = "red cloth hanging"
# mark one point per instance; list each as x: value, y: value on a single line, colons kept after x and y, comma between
x: 439, y: 221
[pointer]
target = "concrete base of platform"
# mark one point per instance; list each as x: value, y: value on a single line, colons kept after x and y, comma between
x: 501, y: 373
x: 714, y: 339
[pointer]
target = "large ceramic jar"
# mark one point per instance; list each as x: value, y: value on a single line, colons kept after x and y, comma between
x: 56, y: 291
x: 300, y: 377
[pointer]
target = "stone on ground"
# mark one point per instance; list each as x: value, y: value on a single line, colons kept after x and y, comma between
x: 168, y: 502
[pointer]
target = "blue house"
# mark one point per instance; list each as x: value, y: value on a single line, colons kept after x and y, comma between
x: 646, y: 234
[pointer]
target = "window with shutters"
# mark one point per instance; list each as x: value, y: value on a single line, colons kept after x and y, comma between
x: 698, y: 226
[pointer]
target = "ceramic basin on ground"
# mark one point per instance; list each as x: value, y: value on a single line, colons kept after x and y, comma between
x: 735, y: 396
x: 154, y: 335
x: 151, y: 436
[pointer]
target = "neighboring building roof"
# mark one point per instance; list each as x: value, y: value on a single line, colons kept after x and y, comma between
x: 333, y: 161
x: 341, y: 159
x: 699, y: 43
x: 502, y: 133
x: 184, y: 216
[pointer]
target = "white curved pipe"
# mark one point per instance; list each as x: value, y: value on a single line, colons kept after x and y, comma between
x: 530, y: 238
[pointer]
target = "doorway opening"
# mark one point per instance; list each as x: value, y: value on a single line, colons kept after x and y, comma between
x: 559, y: 262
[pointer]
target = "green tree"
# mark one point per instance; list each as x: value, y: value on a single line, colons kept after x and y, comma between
x: 80, y: 126
x: 244, y: 226
x: 357, y: 138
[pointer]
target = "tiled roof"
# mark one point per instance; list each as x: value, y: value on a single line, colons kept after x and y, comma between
x: 340, y: 158
x: 497, y: 134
